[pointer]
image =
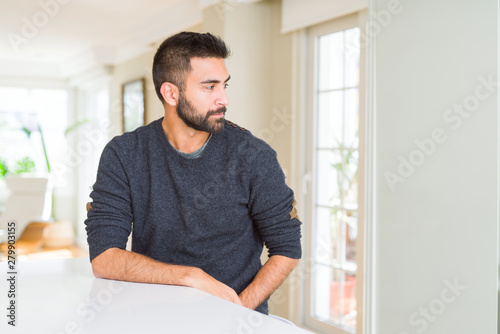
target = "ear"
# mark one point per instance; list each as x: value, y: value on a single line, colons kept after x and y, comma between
x: 170, y: 93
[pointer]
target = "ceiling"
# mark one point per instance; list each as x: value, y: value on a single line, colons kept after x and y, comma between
x: 61, y: 38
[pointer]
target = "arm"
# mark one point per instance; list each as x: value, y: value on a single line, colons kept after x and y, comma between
x: 267, y: 280
x: 272, y: 207
x: 122, y: 265
x: 109, y: 224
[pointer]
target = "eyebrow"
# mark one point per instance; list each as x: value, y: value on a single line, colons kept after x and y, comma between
x: 214, y: 81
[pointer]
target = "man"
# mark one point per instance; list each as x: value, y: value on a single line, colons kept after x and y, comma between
x: 203, y: 193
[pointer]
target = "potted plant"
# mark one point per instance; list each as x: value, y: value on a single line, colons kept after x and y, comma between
x: 29, y: 195
x: 60, y: 233
x: 20, y: 179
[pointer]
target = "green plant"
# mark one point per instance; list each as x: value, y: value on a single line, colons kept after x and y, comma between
x: 75, y: 126
x: 24, y: 165
x: 347, y: 174
x: 4, y: 169
x: 68, y: 130
x: 47, y: 161
x: 28, y: 133
x: 347, y: 170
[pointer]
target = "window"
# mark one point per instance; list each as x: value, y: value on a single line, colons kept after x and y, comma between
x: 32, y: 109
x: 333, y: 154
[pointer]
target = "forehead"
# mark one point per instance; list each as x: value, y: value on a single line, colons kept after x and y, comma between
x: 203, y: 69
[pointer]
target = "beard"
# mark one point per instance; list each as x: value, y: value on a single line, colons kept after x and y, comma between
x: 190, y: 116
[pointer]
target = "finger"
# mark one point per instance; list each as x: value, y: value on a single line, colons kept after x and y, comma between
x: 235, y: 298
x: 238, y: 301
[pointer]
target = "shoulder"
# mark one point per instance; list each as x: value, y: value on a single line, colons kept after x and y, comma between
x: 133, y: 142
x: 235, y: 131
x: 245, y: 144
x: 229, y: 124
x: 135, y: 138
x: 238, y: 134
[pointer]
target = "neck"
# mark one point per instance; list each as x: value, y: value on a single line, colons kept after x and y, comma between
x: 181, y: 136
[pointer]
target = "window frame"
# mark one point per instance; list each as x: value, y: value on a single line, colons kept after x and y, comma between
x: 311, y: 36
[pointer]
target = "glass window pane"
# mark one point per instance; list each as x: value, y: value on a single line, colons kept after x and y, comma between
x: 32, y: 109
x: 329, y: 166
x: 51, y: 108
x: 349, y: 180
x: 351, y: 237
x: 324, y: 243
x: 336, y: 235
x: 330, y: 122
x: 351, y: 49
x: 331, y: 61
x: 343, y: 299
x: 351, y: 115
x: 322, y: 278
x: 335, y: 296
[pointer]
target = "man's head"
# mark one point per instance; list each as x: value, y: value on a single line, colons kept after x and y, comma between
x: 172, y: 61
x: 189, y: 73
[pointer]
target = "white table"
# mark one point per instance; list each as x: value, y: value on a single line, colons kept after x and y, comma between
x: 62, y: 296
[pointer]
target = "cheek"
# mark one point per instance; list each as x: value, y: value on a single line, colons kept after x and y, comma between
x: 203, y: 102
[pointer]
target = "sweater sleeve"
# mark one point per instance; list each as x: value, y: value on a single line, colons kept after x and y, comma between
x: 272, y: 207
x: 109, y: 222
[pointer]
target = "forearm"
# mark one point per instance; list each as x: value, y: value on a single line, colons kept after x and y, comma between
x: 267, y: 280
x: 122, y: 265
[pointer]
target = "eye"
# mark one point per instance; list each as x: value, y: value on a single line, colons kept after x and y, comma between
x: 226, y: 85
x: 210, y: 87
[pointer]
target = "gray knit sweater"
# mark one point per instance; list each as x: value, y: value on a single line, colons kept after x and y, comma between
x: 214, y: 212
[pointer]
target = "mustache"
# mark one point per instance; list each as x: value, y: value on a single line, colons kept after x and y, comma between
x: 217, y: 111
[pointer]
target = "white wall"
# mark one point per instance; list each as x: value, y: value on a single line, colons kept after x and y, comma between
x: 133, y: 69
x: 436, y: 220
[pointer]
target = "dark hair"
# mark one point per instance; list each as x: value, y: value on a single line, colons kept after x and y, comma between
x: 172, y: 61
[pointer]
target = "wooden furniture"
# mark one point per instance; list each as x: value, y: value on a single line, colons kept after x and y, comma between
x: 30, y: 245
x: 30, y: 240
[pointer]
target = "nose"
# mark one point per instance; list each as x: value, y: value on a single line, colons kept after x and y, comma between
x: 222, y: 99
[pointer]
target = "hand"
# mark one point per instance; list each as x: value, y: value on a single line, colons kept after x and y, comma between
x: 203, y: 281
x: 122, y: 265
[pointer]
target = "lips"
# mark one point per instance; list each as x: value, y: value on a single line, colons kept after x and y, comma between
x: 219, y: 112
